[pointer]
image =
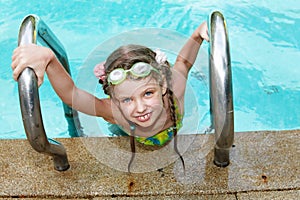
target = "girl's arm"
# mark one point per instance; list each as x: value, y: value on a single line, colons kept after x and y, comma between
x: 189, y: 51
x: 42, y: 59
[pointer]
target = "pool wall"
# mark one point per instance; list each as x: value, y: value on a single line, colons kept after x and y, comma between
x: 264, y: 165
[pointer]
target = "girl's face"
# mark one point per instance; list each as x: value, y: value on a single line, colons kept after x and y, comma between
x: 140, y: 100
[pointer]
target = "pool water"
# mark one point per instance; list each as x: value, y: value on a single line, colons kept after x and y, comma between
x: 264, y: 43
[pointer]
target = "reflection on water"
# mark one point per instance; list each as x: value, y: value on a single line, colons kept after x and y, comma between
x: 265, y: 52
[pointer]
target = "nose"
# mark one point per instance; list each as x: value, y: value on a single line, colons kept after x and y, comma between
x: 140, y: 106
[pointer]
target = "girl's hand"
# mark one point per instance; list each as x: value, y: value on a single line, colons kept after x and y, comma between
x: 33, y: 56
x: 202, y: 32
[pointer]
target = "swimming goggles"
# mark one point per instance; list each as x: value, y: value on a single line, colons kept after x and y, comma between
x: 139, y: 69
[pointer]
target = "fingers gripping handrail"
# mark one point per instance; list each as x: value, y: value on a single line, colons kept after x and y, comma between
x: 47, y: 38
x: 30, y: 29
x: 221, y: 89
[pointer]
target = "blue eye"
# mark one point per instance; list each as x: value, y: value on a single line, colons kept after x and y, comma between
x: 148, y: 93
x: 126, y: 100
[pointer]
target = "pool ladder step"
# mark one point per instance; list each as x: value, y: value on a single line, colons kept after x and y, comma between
x: 33, y: 29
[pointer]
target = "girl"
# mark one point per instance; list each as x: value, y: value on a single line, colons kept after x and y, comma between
x: 146, y: 94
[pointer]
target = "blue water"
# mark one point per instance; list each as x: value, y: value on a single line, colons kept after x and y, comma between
x: 264, y: 43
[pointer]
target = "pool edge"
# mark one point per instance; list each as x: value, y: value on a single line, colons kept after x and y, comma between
x: 262, y: 163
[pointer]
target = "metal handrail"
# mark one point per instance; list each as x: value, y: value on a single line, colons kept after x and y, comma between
x: 221, y: 99
x: 32, y: 29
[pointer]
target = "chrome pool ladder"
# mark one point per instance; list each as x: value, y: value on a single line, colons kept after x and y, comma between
x: 221, y: 99
x: 32, y: 29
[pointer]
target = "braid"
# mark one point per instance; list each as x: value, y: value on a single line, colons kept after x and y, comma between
x: 173, y: 114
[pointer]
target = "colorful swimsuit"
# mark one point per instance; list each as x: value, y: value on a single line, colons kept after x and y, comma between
x: 164, y: 136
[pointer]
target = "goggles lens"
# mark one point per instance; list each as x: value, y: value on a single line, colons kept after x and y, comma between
x: 139, y: 69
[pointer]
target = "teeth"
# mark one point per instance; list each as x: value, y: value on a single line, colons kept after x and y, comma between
x: 144, y: 117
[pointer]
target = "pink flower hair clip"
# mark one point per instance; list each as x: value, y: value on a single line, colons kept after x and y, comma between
x: 99, y: 72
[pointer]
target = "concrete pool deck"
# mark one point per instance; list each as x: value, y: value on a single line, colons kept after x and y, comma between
x: 264, y: 165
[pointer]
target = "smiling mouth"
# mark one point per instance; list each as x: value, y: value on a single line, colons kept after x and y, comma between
x: 144, y: 118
